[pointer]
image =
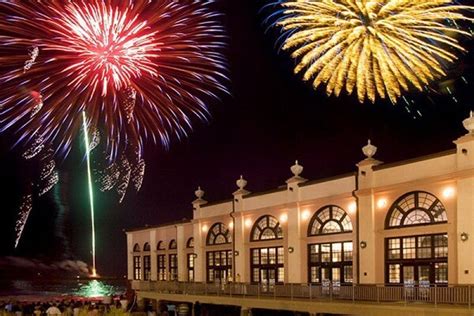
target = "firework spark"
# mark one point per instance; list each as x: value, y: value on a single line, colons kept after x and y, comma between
x: 375, y: 47
x: 24, y: 212
x: 139, y: 69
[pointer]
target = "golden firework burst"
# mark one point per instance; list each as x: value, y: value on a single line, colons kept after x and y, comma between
x: 379, y: 47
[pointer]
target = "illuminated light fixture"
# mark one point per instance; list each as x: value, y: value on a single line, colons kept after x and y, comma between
x: 204, y: 228
x: 381, y: 203
x: 448, y: 192
x: 305, y: 215
x: 231, y: 225
x: 283, y: 218
x: 291, y: 249
x: 248, y: 223
x: 352, y: 207
x: 363, y: 244
x: 464, y: 236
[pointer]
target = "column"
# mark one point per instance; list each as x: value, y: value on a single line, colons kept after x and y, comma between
x: 370, y: 247
x: 153, y: 261
x: 464, y: 219
x: 129, y: 256
x: 199, y: 238
x: 181, y: 243
x: 240, y: 244
x: 295, y: 252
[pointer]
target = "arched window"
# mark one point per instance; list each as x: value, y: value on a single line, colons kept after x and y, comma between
x: 160, y: 245
x: 416, y: 208
x: 219, y: 234
x: 173, y: 244
x: 330, y: 219
x: 266, y: 227
x: 136, y: 248
x: 190, y: 243
x: 146, y: 247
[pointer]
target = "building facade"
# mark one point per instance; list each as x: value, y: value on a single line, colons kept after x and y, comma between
x: 405, y: 223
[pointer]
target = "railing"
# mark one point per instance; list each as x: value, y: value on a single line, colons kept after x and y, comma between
x: 431, y: 294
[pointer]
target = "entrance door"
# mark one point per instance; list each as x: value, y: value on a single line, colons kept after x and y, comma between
x: 220, y: 275
x: 267, y: 279
x: 409, y: 275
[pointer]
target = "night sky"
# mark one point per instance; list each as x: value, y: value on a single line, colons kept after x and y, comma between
x: 270, y: 119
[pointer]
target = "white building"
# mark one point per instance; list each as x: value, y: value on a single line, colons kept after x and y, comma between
x: 409, y: 224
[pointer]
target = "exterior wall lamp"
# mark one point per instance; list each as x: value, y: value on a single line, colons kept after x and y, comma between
x: 464, y: 236
x: 236, y: 253
x: 291, y: 249
x: 363, y: 244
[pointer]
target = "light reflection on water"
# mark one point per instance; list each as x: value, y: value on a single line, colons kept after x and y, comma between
x: 96, y: 288
x: 67, y: 287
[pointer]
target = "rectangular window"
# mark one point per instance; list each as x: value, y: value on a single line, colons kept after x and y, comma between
x: 173, y: 267
x: 314, y: 253
x: 424, y: 247
x: 190, y: 267
x: 326, y: 252
x: 441, y: 273
x: 272, y: 256
x: 161, y: 260
x: 281, y: 255
x: 348, y: 251
x: 441, y: 246
x: 218, y: 265
x: 348, y: 274
x: 394, y: 273
x: 137, y: 268
x: 264, y: 256
x: 394, y: 248
x: 281, y: 274
x: 314, y: 277
x: 255, y: 275
x: 146, y: 267
x: 409, y: 246
x: 267, y: 262
x: 255, y: 256
x: 336, y: 252
x: 330, y: 262
x: 423, y: 259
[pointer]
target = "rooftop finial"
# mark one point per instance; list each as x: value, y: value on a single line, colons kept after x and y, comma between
x: 296, y: 169
x: 199, y: 193
x: 241, y: 183
x: 469, y: 123
x: 369, y: 150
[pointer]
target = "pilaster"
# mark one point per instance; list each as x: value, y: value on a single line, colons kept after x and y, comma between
x: 199, y: 238
x: 239, y: 243
x: 465, y: 205
x: 370, y: 247
x: 295, y: 251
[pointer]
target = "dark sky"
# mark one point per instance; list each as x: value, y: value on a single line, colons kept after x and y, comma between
x: 271, y: 119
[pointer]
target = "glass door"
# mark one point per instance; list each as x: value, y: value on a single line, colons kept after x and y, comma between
x: 267, y: 279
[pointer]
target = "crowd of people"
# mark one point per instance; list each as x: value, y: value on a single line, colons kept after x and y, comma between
x: 67, y: 307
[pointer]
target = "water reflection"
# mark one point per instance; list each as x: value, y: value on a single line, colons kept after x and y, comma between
x: 95, y: 288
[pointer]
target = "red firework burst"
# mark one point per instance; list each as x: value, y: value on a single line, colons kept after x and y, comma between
x: 138, y: 68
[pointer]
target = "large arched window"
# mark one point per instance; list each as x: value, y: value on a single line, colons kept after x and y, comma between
x: 146, y: 247
x: 219, y: 234
x: 190, y: 243
x: 416, y: 208
x: 160, y: 245
x: 173, y: 244
x: 266, y: 227
x: 136, y: 248
x: 330, y: 219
